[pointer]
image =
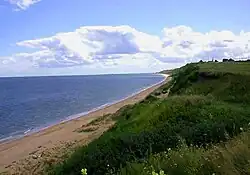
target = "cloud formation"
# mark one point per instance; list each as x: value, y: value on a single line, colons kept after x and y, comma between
x: 123, y: 46
x: 23, y: 4
x: 183, y: 42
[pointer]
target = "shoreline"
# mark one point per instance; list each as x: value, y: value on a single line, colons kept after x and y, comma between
x: 62, y: 133
x: 74, y: 116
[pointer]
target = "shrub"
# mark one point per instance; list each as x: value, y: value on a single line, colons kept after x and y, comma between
x: 198, y: 120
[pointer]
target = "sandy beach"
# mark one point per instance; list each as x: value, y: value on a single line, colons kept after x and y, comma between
x: 25, y: 155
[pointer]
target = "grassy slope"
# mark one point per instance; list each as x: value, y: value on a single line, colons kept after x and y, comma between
x: 230, y: 158
x: 224, y: 82
x: 208, y: 104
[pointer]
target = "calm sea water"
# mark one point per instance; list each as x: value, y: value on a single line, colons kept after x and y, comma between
x: 29, y: 104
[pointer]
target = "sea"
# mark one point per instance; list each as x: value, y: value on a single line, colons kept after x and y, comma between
x: 30, y: 104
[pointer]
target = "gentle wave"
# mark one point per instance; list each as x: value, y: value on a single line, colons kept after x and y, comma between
x: 15, y: 135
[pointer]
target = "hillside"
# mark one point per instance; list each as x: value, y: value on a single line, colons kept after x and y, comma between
x: 200, y: 128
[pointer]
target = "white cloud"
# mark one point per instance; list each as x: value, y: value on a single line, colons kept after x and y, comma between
x: 185, y: 43
x: 22, y: 4
x: 123, y: 48
x: 88, y: 45
x: 99, y: 40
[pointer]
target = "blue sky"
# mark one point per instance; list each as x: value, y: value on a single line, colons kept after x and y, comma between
x: 22, y: 20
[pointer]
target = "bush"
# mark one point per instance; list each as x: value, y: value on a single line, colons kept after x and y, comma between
x: 198, y: 120
x: 149, y: 99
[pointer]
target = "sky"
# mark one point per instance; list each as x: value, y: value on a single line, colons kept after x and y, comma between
x: 60, y: 37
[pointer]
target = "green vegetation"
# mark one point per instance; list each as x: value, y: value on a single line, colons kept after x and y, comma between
x: 198, y: 129
x: 90, y: 129
x: 233, y: 68
x: 98, y: 120
x: 229, y: 159
x: 215, y: 79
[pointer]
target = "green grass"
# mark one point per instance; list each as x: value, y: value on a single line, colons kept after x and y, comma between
x: 231, y: 158
x: 208, y: 104
x: 230, y: 67
x: 215, y: 79
x: 98, y: 120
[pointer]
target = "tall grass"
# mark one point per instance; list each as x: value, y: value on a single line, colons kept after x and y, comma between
x: 204, y: 108
x: 154, y: 126
x: 231, y: 158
